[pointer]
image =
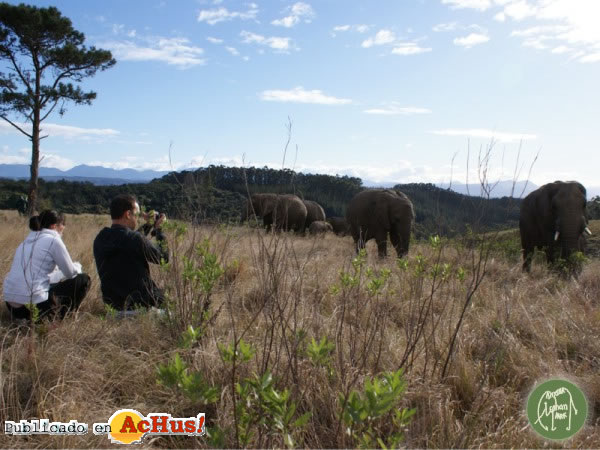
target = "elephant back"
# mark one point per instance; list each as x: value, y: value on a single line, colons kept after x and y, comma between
x: 319, y: 226
x: 368, y: 211
x: 339, y: 225
x: 290, y: 212
x: 314, y: 212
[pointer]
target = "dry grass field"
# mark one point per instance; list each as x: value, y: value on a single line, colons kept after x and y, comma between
x: 276, y: 293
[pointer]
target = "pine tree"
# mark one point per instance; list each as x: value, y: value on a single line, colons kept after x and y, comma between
x: 42, y: 55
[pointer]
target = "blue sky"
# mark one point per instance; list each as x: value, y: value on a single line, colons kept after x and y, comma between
x: 388, y: 90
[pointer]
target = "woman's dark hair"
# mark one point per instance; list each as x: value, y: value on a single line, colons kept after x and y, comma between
x: 46, y: 219
x: 34, y: 223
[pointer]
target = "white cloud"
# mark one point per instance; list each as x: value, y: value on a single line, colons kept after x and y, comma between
x: 561, y: 49
x: 214, y: 16
x: 537, y: 43
x: 409, y: 48
x: 394, y: 109
x: 568, y: 23
x: 65, y: 131
x: 355, y: 28
x: 14, y: 159
x: 341, y: 28
x: 480, y: 5
x: 23, y: 156
x: 137, y: 162
x: 282, y: 44
x: 298, y: 11
x: 471, y: 40
x: 213, y: 40
x: 381, y: 38
x: 173, y: 51
x: 519, y: 10
x: 388, y: 37
x: 591, y: 58
x: 301, y: 95
x: 55, y: 161
x: 233, y: 51
x: 442, y: 27
x: 481, y: 133
x: 534, y: 31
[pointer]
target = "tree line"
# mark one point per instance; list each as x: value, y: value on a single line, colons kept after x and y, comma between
x: 217, y: 194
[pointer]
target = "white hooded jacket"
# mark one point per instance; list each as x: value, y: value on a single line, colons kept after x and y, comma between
x: 36, y: 257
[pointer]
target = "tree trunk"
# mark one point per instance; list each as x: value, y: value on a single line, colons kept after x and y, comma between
x: 34, y: 168
x: 33, y: 180
x: 35, y: 144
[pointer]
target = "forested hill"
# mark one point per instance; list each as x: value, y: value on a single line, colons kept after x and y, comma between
x: 446, y: 212
x: 217, y: 194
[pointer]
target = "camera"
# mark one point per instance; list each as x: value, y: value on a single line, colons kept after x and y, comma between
x: 152, y: 216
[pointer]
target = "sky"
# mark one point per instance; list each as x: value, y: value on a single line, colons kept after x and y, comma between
x: 386, y: 90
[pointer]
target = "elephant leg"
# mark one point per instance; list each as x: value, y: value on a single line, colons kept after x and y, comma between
x: 359, y: 243
x: 382, y: 248
x: 401, y: 245
x: 381, y: 239
x: 549, y: 249
x: 527, y: 256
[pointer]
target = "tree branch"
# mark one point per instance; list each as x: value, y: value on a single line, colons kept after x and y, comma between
x: 66, y: 74
x: 49, y: 111
x: 16, y: 126
x: 21, y: 76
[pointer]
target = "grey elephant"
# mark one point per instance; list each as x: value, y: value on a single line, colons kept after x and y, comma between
x: 553, y: 218
x: 314, y: 212
x: 340, y: 225
x: 290, y: 213
x: 283, y: 211
x: 260, y: 206
x: 319, y: 227
x: 375, y: 213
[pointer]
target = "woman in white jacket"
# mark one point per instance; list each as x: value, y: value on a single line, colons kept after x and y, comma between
x: 36, y: 259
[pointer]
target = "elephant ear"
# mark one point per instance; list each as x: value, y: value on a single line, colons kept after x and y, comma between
x: 544, y: 201
x: 383, y: 210
x: 582, y: 189
x: 268, y: 204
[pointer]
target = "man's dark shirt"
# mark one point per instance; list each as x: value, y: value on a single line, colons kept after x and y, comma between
x: 122, y: 257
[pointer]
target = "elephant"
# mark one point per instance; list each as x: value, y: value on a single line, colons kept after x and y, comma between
x: 553, y: 218
x: 339, y: 225
x: 314, y: 212
x: 319, y: 227
x: 285, y: 211
x: 375, y: 213
x: 290, y: 213
x: 260, y: 205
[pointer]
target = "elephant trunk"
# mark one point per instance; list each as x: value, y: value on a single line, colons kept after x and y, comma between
x: 570, y: 230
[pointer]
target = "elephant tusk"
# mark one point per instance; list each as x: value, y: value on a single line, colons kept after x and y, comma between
x: 588, y: 231
x: 556, y: 236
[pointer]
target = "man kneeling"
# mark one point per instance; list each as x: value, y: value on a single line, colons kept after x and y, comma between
x: 122, y: 256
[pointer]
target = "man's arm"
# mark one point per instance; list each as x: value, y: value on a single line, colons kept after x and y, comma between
x: 154, y: 253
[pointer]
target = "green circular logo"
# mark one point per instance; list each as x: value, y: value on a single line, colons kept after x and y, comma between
x: 557, y: 409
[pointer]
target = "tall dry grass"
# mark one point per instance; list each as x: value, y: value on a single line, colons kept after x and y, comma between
x: 279, y: 291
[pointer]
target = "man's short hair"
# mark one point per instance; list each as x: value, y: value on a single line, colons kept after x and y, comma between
x: 121, y: 204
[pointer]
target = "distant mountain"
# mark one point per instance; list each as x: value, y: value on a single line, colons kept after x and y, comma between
x: 502, y: 189
x: 95, y: 174
x: 498, y: 190
x: 98, y: 181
